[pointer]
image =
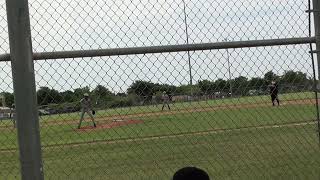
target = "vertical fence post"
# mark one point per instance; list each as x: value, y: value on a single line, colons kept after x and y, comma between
x: 316, y: 15
x: 24, y: 89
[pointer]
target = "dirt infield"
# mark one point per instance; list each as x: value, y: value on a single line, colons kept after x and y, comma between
x: 113, y: 124
x: 108, y: 119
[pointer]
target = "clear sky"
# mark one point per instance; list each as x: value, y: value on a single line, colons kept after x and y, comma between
x: 80, y: 25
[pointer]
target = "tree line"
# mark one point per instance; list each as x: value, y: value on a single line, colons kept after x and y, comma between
x: 141, y: 92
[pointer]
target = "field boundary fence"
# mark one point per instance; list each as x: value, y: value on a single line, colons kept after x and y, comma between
x: 26, y: 62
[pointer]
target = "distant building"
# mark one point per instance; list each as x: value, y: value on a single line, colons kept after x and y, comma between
x: 179, y: 98
x: 5, y: 112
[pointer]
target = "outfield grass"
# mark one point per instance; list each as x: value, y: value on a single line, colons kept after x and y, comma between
x: 248, y: 153
x: 172, y: 124
x: 182, y: 105
x: 174, y: 106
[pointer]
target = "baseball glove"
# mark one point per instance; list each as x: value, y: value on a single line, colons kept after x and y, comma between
x: 93, y: 112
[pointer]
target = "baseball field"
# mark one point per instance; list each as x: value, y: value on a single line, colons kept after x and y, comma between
x: 235, y: 138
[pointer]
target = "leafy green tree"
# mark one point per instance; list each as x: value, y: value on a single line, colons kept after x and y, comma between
x: 68, y: 96
x: 256, y: 83
x: 102, y: 91
x: 143, y: 89
x: 43, y: 96
x: 207, y: 87
x: 240, y: 86
x: 296, y: 80
x: 270, y: 76
x: 222, y: 85
x: 78, y: 92
x: 102, y: 96
x: 8, y: 99
x: 46, y: 96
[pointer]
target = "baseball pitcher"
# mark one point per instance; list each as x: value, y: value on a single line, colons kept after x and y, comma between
x: 86, y: 107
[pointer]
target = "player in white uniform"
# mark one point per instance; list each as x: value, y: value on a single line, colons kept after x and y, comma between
x: 165, y: 100
x: 86, y: 107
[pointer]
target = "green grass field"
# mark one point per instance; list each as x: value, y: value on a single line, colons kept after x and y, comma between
x: 181, y: 105
x: 232, y: 143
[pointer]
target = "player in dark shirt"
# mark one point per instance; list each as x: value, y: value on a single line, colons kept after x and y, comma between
x: 274, y: 92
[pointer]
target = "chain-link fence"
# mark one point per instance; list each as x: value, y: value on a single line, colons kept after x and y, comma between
x: 226, y: 86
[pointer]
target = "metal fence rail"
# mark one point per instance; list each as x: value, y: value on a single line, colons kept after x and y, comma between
x: 230, y: 87
x: 164, y: 49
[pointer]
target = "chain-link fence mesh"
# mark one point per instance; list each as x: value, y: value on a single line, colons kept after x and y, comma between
x: 150, y: 121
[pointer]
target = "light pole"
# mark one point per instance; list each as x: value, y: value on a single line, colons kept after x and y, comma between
x: 187, y: 38
x: 228, y: 59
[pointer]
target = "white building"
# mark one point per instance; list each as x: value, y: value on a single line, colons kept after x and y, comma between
x: 5, y: 112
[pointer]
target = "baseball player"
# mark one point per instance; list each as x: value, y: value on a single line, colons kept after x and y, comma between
x: 165, y: 99
x: 274, y: 92
x: 86, y: 107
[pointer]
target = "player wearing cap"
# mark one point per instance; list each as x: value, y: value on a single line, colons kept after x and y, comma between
x: 86, y: 107
x: 274, y: 92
